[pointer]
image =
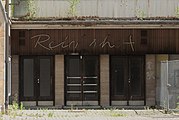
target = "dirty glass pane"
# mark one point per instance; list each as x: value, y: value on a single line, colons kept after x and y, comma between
x: 136, y: 73
x: 28, y: 77
x: 45, y: 80
x: 117, y: 75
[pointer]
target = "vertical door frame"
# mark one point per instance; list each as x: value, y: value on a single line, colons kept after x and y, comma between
x: 51, y: 77
x: 37, y: 75
x: 125, y: 75
x: 142, y: 82
x: 81, y: 75
x: 128, y: 58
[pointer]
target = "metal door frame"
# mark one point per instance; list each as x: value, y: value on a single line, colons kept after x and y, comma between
x: 82, y: 77
x: 36, y: 75
x: 127, y: 77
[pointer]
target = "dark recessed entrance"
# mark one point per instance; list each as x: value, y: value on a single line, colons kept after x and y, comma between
x: 36, y: 80
x: 127, y: 80
x: 82, y: 80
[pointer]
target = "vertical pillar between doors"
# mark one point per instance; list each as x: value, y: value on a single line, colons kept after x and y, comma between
x: 150, y: 80
x: 104, y: 80
x: 59, y: 80
x: 15, y: 78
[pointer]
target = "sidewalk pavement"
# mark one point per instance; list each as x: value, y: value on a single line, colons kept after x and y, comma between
x: 88, y: 115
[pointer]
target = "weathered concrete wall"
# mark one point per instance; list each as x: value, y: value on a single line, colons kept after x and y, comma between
x: 104, y: 80
x: 150, y: 80
x: 59, y: 80
x: 2, y: 39
x: 100, y: 8
x: 15, y: 78
x: 159, y: 58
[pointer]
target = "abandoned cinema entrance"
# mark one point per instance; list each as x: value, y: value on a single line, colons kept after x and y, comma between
x: 127, y: 80
x: 96, y: 67
x: 82, y: 80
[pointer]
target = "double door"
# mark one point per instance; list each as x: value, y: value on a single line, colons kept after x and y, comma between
x: 127, y: 80
x: 82, y: 80
x: 36, y: 80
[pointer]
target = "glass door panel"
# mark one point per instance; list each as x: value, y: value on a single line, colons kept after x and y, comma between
x: 73, y: 79
x: 119, y: 78
x: 74, y: 67
x: 90, y: 66
x: 28, y: 78
x: 45, y: 79
x: 136, y: 81
x: 90, y: 78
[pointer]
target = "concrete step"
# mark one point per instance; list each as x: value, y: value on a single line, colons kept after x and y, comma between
x: 90, y: 107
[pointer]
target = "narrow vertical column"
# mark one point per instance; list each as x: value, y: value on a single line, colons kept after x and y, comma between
x: 59, y: 80
x: 104, y: 80
x: 150, y: 80
x: 15, y: 78
x: 2, y: 67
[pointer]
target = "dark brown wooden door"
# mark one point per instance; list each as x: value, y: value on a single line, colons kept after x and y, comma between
x: 36, y: 83
x: 127, y: 78
x: 82, y: 81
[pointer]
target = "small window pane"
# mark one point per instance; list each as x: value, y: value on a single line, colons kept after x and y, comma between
x: 143, y: 36
x: 22, y: 38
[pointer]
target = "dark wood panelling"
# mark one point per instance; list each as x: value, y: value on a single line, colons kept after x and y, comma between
x: 95, y: 41
x: 15, y: 42
x: 177, y: 40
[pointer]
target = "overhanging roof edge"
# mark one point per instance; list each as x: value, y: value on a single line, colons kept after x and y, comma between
x: 83, y: 26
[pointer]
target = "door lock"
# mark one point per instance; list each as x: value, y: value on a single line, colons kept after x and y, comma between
x: 38, y: 81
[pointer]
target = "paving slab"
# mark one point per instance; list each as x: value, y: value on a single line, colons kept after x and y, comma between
x: 88, y: 115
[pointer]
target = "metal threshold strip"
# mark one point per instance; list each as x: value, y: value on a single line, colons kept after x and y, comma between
x: 95, y: 77
x: 73, y: 92
x: 89, y: 91
x: 73, y: 84
x: 73, y: 77
x: 89, y: 84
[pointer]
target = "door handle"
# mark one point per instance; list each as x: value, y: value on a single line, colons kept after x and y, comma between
x: 129, y: 81
x: 131, y: 98
x: 38, y: 81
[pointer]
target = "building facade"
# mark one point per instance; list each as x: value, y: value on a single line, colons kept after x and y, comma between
x: 93, y: 57
x: 3, y: 22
